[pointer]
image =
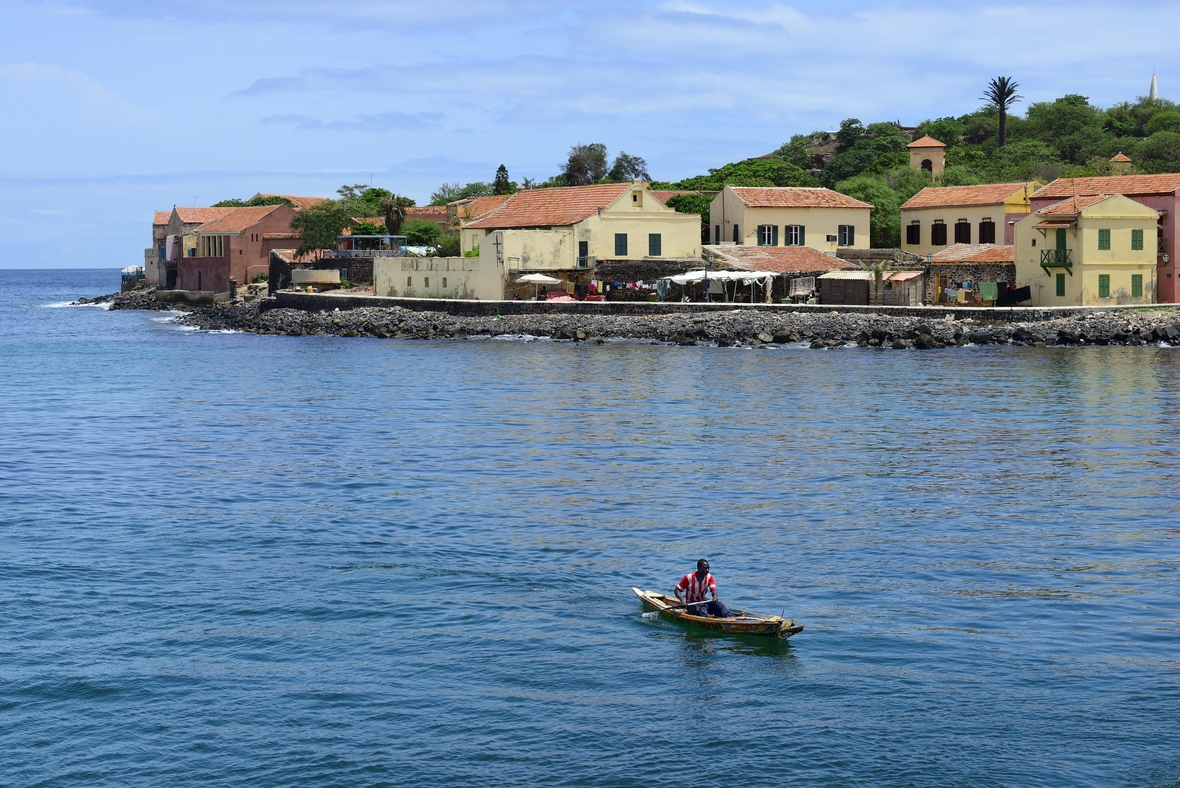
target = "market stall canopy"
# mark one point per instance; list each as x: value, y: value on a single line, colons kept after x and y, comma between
x: 721, y: 276
x: 537, y: 279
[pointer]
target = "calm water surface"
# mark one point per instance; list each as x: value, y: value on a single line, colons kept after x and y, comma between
x: 234, y: 560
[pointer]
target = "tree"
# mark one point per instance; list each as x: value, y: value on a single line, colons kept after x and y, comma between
x: 885, y: 218
x: 878, y: 270
x: 1161, y: 152
x: 1001, y: 94
x: 586, y: 164
x: 849, y: 134
x: 1164, y: 121
x: 501, y: 184
x: 254, y: 201
x: 628, y: 167
x: 320, y: 225
x: 449, y: 192
x: 419, y: 232
x: 751, y: 172
x: 393, y: 207
x: 447, y: 245
x: 798, y: 151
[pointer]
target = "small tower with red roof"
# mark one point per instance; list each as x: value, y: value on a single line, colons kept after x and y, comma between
x: 928, y: 154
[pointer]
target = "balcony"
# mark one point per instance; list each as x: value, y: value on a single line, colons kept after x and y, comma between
x: 1057, y: 258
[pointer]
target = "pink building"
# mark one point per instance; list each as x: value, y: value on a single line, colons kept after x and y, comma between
x: 236, y: 246
x: 1161, y: 192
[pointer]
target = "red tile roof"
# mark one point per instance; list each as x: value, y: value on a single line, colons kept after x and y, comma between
x: 474, y: 208
x: 1121, y: 158
x: 1072, y: 205
x: 192, y: 215
x: 551, y: 207
x: 780, y: 259
x: 238, y: 220
x: 427, y: 213
x: 1166, y: 183
x: 664, y: 196
x: 299, y: 202
x: 962, y: 196
x: 794, y: 197
x: 926, y: 142
x: 976, y: 253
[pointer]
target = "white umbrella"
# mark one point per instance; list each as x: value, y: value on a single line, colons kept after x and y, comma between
x: 536, y: 280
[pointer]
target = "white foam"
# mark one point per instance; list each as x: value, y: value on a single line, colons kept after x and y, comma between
x: 65, y: 304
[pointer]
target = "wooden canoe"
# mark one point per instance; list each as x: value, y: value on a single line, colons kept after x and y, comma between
x: 741, y: 624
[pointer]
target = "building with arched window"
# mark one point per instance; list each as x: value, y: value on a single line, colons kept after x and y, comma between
x: 928, y: 154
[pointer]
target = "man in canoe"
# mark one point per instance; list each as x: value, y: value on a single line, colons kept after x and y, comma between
x: 695, y: 586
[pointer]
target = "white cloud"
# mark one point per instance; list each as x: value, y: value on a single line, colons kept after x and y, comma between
x: 39, y: 96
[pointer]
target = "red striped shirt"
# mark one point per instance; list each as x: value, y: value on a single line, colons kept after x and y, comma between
x: 696, y: 589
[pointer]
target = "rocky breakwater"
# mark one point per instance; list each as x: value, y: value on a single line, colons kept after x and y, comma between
x: 735, y: 328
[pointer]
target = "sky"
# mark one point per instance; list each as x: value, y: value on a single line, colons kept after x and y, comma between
x: 112, y: 110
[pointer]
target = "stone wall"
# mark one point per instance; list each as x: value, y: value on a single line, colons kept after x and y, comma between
x: 968, y: 272
x: 645, y: 270
x: 320, y: 302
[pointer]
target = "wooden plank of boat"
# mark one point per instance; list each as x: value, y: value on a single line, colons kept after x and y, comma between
x: 742, y: 623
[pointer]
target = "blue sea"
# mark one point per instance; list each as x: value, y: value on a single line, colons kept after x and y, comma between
x: 238, y: 560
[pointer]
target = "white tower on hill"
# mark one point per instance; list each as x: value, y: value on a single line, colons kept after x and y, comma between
x: 1154, y: 95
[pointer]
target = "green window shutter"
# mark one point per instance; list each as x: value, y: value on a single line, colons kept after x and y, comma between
x: 1104, y: 240
x: 1061, y: 285
x: 654, y: 244
x: 1061, y: 240
x: 1103, y: 283
x: 802, y: 235
x: 1137, y: 279
x: 620, y: 244
x: 1137, y: 240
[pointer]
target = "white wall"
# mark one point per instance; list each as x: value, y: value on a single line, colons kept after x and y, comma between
x: 438, y: 277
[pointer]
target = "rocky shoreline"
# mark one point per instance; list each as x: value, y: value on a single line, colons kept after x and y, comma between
x: 740, y: 327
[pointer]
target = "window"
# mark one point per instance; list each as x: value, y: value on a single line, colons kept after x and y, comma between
x: 987, y: 232
x: 426, y: 281
x: 655, y: 244
x: 716, y: 233
x: 1061, y: 285
x: 938, y: 234
x: 913, y: 234
x: 409, y: 281
x: 795, y: 235
x: 620, y: 244
x: 1104, y: 285
x: 846, y: 235
x: 768, y: 235
x: 962, y: 232
x: 444, y: 281
x: 583, y: 254
x: 1104, y: 240
x: 1136, y: 285
x: 1136, y: 240
x: 737, y: 238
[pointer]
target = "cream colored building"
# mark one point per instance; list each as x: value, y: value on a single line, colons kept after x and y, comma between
x: 574, y: 227
x: 928, y: 154
x: 438, y: 277
x: 789, y: 216
x: 940, y: 216
x: 1088, y: 251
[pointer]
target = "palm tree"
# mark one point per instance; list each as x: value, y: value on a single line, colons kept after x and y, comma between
x: 394, y: 207
x: 1001, y: 92
x: 878, y: 270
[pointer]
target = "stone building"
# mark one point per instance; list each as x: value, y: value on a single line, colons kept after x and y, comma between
x: 976, y: 274
x: 928, y: 154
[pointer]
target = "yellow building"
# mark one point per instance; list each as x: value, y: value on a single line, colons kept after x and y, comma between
x: 789, y: 216
x: 939, y: 216
x: 576, y: 226
x: 1088, y: 251
x: 928, y: 154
